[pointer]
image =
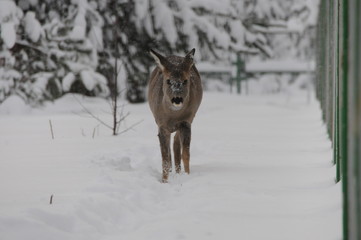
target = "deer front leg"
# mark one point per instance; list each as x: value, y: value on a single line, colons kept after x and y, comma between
x: 177, y: 152
x: 164, y: 140
x: 185, y: 137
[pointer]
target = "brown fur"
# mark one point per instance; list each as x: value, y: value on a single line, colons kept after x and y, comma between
x: 178, y: 74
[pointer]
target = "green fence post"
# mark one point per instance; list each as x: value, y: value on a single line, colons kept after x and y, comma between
x: 339, y: 92
x: 241, y: 72
x: 336, y: 142
x: 331, y: 69
x: 354, y: 121
x: 343, y: 116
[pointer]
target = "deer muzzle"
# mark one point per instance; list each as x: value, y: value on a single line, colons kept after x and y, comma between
x: 177, y: 102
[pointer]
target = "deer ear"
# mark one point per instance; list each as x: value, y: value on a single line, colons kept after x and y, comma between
x: 159, y: 59
x: 191, y: 53
x: 188, y: 60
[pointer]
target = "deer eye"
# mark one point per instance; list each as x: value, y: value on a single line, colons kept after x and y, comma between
x: 168, y: 81
x: 185, y: 82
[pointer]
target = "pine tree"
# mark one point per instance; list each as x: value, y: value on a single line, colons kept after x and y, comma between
x: 60, y: 41
x: 10, y: 16
x: 288, y: 26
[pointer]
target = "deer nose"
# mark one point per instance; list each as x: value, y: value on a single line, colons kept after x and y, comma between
x: 178, y: 85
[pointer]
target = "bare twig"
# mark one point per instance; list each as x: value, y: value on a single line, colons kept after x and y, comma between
x: 130, y: 128
x: 51, y: 129
x: 94, y: 130
x: 118, y: 119
x: 115, y: 97
x: 122, y: 118
x: 92, y: 115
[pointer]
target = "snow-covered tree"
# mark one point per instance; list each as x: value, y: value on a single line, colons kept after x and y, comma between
x: 288, y: 26
x: 51, y: 47
x: 10, y: 16
x: 68, y: 41
x: 217, y: 28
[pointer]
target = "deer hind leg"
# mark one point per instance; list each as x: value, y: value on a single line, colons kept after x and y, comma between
x: 185, y: 138
x: 177, y: 148
x: 164, y: 140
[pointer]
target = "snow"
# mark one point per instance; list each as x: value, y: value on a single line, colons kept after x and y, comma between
x: 96, y: 37
x: 237, y: 31
x: 79, y: 29
x: 7, y: 74
x: 92, y: 79
x: 88, y: 80
x: 41, y: 81
x: 209, y: 67
x: 14, y: 105
x: 261, y: 168
x: 282, y: 65
x: 32, y: 26
x: 296, y: 25
x: 8, y: 34
x: 68, y: 80
x: 312, y: 6
x: 10, y: 16
x: 97, y: 23
x: 223, y: 7
x: 8, y: 78
x: 269, y: 8
x: 164, y: 20
x: 143, y: 17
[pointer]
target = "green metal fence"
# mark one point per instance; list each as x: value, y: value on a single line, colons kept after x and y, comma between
x: 338, y: 87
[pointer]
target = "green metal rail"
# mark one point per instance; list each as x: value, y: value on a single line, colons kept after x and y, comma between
x: 338, y: 88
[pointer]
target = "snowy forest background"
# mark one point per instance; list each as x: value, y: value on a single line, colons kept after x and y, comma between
x: 52, y: 47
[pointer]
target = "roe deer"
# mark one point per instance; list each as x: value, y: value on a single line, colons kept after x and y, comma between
x: 175, y: 93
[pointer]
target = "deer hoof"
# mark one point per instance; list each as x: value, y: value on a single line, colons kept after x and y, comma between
x: 165, y: 179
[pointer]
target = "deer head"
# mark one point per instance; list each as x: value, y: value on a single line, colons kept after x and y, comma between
x: 176, y: 78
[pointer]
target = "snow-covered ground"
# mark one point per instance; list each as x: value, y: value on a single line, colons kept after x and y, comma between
x: 261, y: 168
